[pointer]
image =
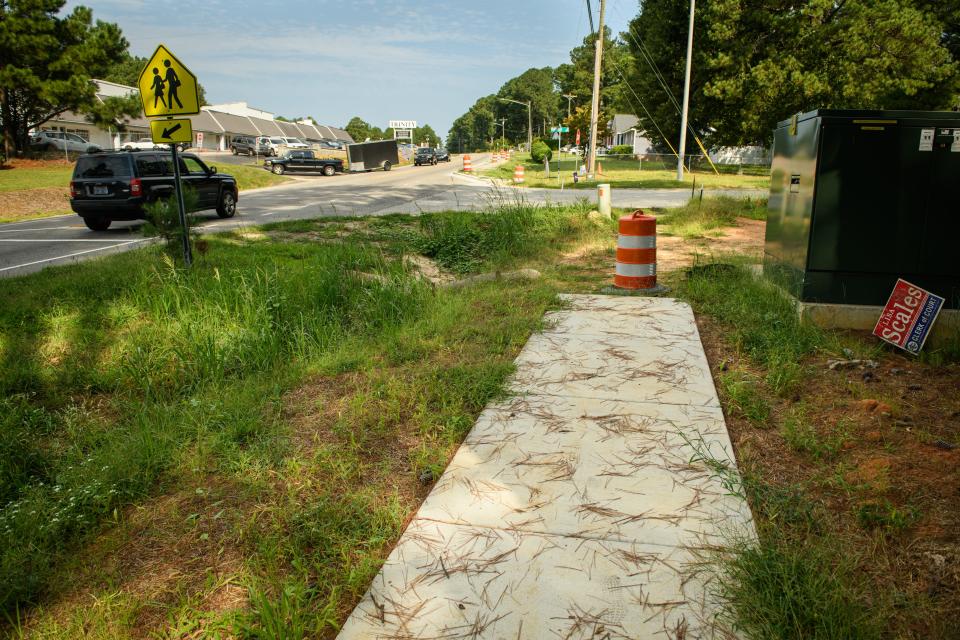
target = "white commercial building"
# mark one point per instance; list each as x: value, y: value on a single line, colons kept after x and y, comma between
x: 213, y: 128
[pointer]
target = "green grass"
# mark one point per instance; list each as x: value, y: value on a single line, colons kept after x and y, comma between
x: 249, y: 177
x: 826, y: 562
x: 621, y: 173
x: 700, y: 217
x: 289, y: 403
x: 21, y: 178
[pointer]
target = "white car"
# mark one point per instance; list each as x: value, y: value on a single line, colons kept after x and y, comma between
x: 295, y: 143
x: 144, y: 144
x: 50, y: 140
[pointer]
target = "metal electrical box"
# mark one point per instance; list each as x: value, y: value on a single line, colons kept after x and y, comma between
x: 861, y: 198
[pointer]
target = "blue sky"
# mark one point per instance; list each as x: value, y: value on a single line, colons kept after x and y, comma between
x: 424, y: 60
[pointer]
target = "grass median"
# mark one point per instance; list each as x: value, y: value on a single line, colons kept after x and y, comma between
x: 625, y: 174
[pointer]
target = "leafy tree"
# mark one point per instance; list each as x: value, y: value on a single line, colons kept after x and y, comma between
x: 755, y: 63
x: 358, y: 129
x: 47, y: 61
x: 865, y: 54
x: 539, y: 88
x: 581, y: 120
x: 576, y: 76
x: 376, y: 133
x: 426, y: 134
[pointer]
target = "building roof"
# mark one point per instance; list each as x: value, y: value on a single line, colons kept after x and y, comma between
x: 234, y: 124
x: 204, y: 121
x: 623, y: 122
x: 267, y: 127
x: 289, y: 129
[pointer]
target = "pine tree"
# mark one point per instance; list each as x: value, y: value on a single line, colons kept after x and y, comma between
x: 47, y: 62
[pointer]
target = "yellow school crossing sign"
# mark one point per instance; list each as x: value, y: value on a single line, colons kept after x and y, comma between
x: 167, y: 87
x: 170, y: 131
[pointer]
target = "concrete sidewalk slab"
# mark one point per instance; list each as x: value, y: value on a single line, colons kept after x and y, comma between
x: 578, y: 508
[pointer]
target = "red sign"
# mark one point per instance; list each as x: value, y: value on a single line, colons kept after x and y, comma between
x: 908, y: 316
x: 578, y: 138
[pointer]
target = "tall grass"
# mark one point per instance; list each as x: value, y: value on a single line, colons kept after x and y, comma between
x: 117, y: 372
x: 168, y: 349
x: 464, y: 242
x: 701, y: 216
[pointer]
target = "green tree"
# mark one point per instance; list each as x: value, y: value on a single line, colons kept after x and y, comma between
x: 756, y: 63
x: 47, y: 61
x: 114, y: 112
x: 576, y: 77
x: 539, y: 88
x: 859, y: 54
x: 358, y: 129
x: 581, y: 120
x: 426, y: 134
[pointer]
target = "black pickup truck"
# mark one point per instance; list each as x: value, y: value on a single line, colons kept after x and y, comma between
x: 303, y: 161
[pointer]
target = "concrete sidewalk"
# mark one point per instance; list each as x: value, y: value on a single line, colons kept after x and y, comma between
x: 573, y: 510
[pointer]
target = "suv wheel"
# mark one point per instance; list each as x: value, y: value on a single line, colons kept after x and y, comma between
x: 329, y: 170
x: 233, y: 150
x: 278, y: 169
x: 97, y: 223
x: 227, y: 207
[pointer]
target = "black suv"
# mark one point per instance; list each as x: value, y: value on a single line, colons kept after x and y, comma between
x: 443, y: 155
x: 114, y: 185
x: 425, y: 155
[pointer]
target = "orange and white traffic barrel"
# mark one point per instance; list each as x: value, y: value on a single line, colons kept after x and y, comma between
x: 518, y: 174
x: 637, y: 252
x: 467, y: 164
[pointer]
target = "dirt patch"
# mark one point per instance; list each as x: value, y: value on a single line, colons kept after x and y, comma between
x: 746, y: 238
x: 894, y: 479
x: 427, y: 268
x: 32, y: 203
x: 28, y: 163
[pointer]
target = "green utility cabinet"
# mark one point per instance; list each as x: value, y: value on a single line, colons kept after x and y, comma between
x: 861, y: 198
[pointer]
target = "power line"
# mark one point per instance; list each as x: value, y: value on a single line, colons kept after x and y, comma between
x: 642, y: 106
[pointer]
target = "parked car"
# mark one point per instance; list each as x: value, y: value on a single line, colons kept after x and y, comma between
x: 58, y: 140
x: 295, y: 143
x: 443, y: 155
x: 299, y: 160
x: 146, y: 144
x: 424, y: 155
x: 114, y: 185
x: 270, y: 146
x: 245, y: 145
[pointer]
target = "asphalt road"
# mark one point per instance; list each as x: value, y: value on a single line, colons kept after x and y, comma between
x: 32, y: 245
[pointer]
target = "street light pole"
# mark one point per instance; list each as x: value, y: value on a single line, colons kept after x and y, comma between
x: 686, y: 96
x: 529, y: 105
x: 569, y: 97
x: 595, y: 106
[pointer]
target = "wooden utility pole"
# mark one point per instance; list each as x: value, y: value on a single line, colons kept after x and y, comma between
x: 595, y: 107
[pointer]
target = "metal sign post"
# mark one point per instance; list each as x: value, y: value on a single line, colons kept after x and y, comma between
x: 168, y: 88
x: 181, y: 208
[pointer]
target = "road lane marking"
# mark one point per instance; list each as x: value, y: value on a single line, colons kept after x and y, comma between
x: 72, y: 226
x: 55, y: 240
x: 71, y: 255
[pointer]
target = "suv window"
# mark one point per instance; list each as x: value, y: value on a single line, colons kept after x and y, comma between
x: 193, y: 165
x: 149, y: 166
x: 103, y: 167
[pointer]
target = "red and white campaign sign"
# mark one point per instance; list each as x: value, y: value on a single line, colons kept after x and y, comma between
x: 578, y: 138
x: 908, y: 317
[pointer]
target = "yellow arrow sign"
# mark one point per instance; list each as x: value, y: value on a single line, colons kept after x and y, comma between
x: 167, y: 87
x: 170, y: 131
